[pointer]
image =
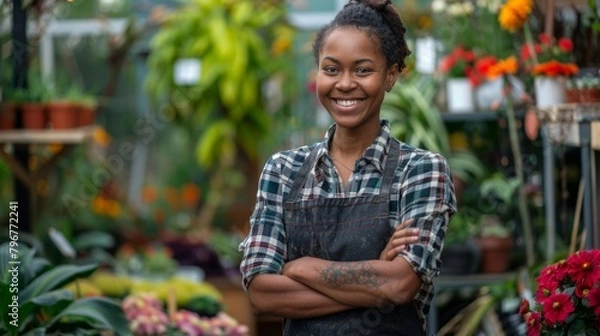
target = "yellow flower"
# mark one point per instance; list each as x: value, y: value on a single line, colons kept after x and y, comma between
x: 514, y: 14
x: 507, y: 66
x: 101, y: 137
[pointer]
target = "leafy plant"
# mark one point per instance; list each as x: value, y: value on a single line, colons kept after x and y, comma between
x: 240, y: 46
x: 414, y: 119
x: 462, y: 227
x: 40, y: 305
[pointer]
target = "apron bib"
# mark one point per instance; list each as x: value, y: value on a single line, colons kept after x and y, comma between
x: 345, y: 229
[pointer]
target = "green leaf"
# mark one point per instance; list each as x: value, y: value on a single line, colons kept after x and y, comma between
x: 99, y: 313
x: 55, y: 278
x: 92, y: 239
x: 48, y: 299
x: 577, y: 327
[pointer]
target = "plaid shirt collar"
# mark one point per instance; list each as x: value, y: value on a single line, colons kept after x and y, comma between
x: 374, y: 154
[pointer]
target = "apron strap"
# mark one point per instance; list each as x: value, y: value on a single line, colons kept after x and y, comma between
x: 391, y: 164
x: 300, y: 177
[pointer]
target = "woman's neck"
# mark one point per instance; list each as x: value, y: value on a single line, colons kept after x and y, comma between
x: 352, y: 144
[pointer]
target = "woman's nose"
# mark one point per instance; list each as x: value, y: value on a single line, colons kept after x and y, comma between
x: 346, y: 82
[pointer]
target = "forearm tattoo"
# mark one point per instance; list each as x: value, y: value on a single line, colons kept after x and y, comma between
x: 354, y: 273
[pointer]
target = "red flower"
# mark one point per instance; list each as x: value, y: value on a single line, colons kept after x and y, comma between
x: 594, y: 300
x: 582, y: 291
x: 544, y: 38
x: 565, y: 44
x: 547, y: 274
x: 561, y: 270
x: 557, y: 308
x: 524, y: 307
x: 584, y: 268
x: 533, y: 324
x: 545, y: 290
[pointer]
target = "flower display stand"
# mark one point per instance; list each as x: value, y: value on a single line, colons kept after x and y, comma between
x: 576, y: 125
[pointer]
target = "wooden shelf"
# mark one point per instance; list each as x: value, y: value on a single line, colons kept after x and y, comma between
x: 48, y: 136
x: 67, y: 137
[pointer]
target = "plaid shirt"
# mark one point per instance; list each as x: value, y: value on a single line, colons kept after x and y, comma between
x: 422, y: 190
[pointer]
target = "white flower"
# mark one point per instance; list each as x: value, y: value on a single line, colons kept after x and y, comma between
x: 438, y: 6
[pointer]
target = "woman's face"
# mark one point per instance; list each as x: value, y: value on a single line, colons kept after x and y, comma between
x: 352, y: 78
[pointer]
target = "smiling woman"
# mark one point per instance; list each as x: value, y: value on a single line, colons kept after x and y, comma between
x: 346, y: 233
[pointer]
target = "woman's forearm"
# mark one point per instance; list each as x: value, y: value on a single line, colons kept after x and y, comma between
x: 279, y: 295
x: 370, y: 283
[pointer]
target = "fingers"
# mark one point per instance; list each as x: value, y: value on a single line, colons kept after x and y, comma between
x: 402, y: 236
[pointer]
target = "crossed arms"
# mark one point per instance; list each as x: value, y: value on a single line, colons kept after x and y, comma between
x: 310, y: 287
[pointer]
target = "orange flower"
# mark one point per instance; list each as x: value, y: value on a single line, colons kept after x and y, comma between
x: 190, y: 194
x: 554, y: 68
x: 149, y: 194
x: 514, y: 14
x: 172, y: 197
x: 506, y: 66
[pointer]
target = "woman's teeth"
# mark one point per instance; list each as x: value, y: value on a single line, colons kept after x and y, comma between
x: 346, y: 103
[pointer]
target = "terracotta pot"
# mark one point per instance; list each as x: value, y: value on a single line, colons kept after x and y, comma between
x: 595, y: 95
x: 86, y: 115
x: 34, y: 115
x: 62, y: 115
x: 572, y: 95
x: 495, y: 253
x: 7, y: 115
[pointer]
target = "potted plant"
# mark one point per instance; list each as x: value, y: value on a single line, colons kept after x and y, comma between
x: 495, y: 243
x: 63, y: 107
x: 492, y: 234
x: 11, y: 101
x: 33, y: 106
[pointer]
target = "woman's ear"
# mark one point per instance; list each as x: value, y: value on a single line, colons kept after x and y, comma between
x: 392, y: 75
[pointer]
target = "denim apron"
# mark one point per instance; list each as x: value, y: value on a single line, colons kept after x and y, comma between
x: 345, y: 229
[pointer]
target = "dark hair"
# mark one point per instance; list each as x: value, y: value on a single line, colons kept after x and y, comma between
x: 380, y: 18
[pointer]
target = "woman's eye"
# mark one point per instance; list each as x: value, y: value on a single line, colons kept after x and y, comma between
x: 363, y: 71
x: 330, y: 70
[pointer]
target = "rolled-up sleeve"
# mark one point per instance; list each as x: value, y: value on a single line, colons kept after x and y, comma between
x: 427, y: 196
x: 264, y: 247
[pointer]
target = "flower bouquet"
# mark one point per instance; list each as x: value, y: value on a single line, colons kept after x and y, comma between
x: 549, y: 57
x: 567, y: 299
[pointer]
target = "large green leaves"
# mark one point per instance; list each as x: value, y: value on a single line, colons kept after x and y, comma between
x: 415, y: 120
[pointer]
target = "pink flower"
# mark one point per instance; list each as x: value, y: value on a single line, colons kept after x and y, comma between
x: 557, y: 308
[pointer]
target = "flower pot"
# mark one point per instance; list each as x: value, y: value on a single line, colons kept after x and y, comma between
x: 62, y: 115
x: 86, y: 115
x: 495, y: 253
x: 489, y: 94
x: 549, y: 91
x: 590, y: 95
x: 572, y: 95
x: 459, y: 95
x: 34, y: 115
x: 7, y: 115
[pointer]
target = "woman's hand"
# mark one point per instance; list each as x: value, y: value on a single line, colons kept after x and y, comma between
x: 402, y: 236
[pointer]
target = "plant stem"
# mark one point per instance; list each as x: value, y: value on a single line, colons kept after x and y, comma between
x: 518, y: 162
